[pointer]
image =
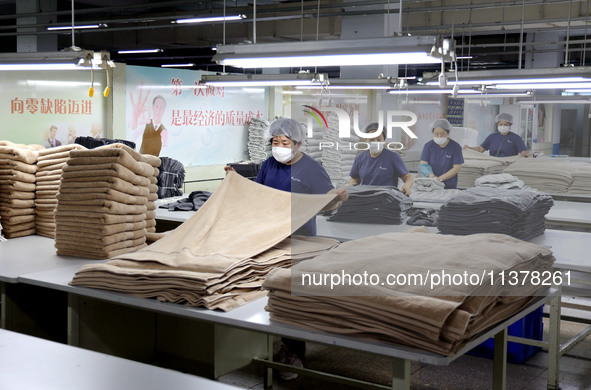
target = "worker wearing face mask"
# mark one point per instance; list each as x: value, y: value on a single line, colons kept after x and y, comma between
x: 291, y: 170
x: 379, y: 166
x: 442, y: 157
x: 504, y: 143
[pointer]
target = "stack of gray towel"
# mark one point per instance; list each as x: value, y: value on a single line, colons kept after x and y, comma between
x: 427, y: 189
x: 258, y: 149
x: 499, y: 180
x: 373, y: 204
x: 516, y: 212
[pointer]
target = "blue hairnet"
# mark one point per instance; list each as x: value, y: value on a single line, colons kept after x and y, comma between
x: 288, y: 127
x: 503, y: 116
x: 442, y: 124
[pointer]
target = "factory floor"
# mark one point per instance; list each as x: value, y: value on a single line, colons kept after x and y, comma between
x: 467, y: 372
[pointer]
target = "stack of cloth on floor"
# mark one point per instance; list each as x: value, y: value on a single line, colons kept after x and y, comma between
x: 499, y: 180
x: 92, y: 142
x: 171, y: 178
x: 258, y: 148
x: 218, y: 257
x: 441, y: 320
x: 517, y: 212
x: 103, y: 202
x: 18, y: 165
x: 48, y: 177
x: 428, y: 189
x: 477, y: 164
x: 373, y: 204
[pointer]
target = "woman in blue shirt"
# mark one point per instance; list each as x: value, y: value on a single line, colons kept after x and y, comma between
x: 379, y: 166
x: 442, y: 155
x: 504, y: 143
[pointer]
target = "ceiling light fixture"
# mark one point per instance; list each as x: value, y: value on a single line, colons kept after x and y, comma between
x: 346, y: 52
x: 81, y: 27
x: 62, y: 60
x: 177, y: 65
x: 261, y: 80
x: 139, y: 51
x: 211, y: 19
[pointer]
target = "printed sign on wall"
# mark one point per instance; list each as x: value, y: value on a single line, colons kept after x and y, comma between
x: 50, y: 108
x: 169, y: 114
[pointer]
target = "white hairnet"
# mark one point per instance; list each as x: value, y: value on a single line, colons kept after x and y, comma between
x: 442, y: 124
x: 503, y: 116
x: 372, y: 127
x: 288, y: 127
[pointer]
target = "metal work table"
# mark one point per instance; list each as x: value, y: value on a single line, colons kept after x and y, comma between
x: 28, y: 362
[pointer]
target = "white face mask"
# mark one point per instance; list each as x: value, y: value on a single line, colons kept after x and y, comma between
x: 504, y: 129
x: 440, y: 141
x: 376, y: 147
x: 283, y: 155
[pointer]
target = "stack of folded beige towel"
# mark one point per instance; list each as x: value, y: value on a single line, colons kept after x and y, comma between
x: 219, y: 257
x: 17, y: 188
x: 102, y: 202
x: 478, y: 164
x: 48, y: 176
x: 439, y: 319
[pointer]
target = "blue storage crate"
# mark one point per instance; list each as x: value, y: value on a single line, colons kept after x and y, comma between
x: 531, y: 326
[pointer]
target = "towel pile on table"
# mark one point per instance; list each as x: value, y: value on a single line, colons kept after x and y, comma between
x: 428, y: 189
x: 477, y: 164
x: 373, y: 204
x: 516, y: 212
x: 104, y: 202
x: 218, y: 257
x: 544, y: 174
x: 18, y: 165
x: 171, y: 178
x: 499, y: 180
x: 48, y: 177
x: 441, y: 320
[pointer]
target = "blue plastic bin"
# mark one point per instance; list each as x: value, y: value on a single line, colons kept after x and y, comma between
x: 531, y: 326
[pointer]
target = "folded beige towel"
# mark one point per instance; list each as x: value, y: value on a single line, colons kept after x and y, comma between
x: 59, y: 151
x: 153, y: 188
x: 99, y: 172
x: 43, y: 165
x: 96, y: 240
x: 51, y: 170
x: 105, y: 156
x: 146, y: 158
x: 17, y: 203
x: 18, y: 219
x: 14, y: 174
x: 107, y: 207
x: 22, y: 146
x: 18, y: 154
x: 98, y: 198
x: 18, y: 165
x: 17, y: 186
x: 99, y: 217
x: 11, y: 228
x: 54, y: 178
x: 8, y: 211
x: 48, y: 186
x: 47, y: 194
x: 103, y: 186
x: 99, y: 230
x: 21, y: 233
x: 10, y: 194
x: 100, y: 255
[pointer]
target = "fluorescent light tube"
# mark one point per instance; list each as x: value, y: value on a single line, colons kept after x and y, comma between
x: 542, y: 85
x: 139, y: 51
x: 177, y: 65
x: 46, y: 67
x: 82, y: 27
x: 209, y: 19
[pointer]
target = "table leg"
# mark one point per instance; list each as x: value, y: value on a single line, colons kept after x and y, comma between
x: 268, y: 377
x: 554, y: 343
x: 400, y: 374
x: 73, y: 325
x: 500, y: 361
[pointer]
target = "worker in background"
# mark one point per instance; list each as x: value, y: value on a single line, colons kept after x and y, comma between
x: 503, y: 143
x: 442, y: 157
x: 379, y: 166
x: 289, y: 169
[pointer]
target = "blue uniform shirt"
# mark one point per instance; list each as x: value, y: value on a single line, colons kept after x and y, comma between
x: 443, y: 159
x: 306, y: 176
x: 500, y: 145
x: 383, y: 170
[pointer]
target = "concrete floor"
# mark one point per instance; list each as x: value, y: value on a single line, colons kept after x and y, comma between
x: 467, y: 372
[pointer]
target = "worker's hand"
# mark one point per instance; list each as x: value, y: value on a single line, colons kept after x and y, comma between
x: 406, y: 189
x: 228, y: 168
x: 342, y: 193
x: 466, y: 147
